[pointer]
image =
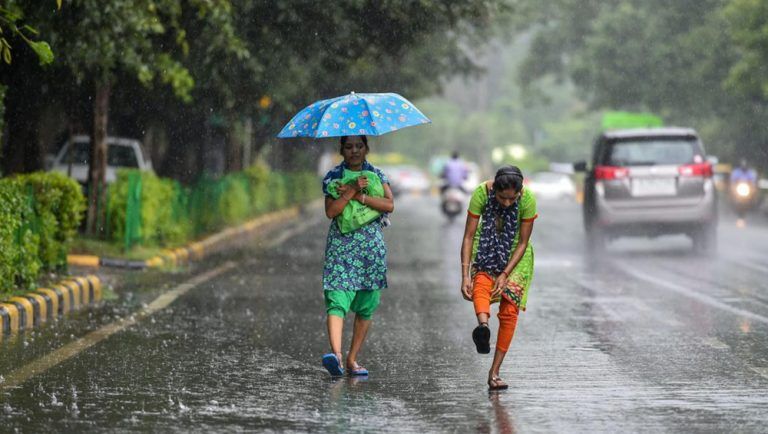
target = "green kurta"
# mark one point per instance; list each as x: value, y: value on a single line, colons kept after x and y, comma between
x: 522, y: 274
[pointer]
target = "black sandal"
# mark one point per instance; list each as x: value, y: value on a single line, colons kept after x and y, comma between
x: 481, y: 336
x: 496, y: 383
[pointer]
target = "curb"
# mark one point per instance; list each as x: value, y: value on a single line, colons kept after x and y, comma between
x: 184, y: 255
x: 28, y: 310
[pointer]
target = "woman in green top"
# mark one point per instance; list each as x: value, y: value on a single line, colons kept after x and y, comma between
x: 497, y: 259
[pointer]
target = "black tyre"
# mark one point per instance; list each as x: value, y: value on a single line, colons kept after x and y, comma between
x: 596, y: 242
x: 705, y: 239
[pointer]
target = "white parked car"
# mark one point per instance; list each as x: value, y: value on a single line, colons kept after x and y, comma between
x: 551, y: 185
x: 75, y: 155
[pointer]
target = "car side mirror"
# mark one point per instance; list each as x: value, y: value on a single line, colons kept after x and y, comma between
x: 580, y: 166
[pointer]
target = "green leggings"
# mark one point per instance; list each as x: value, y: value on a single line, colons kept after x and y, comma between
x: 363, y: 303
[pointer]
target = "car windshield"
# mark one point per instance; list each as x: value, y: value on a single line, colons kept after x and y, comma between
x: 652, y: 152
x: 117, y: 155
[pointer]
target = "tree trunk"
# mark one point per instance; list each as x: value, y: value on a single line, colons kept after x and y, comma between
x: 97, y: 170
x: 21, y: 153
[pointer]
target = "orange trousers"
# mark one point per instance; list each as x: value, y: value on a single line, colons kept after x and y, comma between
x: 481, y: 298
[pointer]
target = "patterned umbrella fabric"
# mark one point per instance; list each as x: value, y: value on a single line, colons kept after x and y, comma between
x: 369, y: 114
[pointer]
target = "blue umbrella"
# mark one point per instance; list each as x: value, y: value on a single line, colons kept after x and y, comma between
x: 369, y: 114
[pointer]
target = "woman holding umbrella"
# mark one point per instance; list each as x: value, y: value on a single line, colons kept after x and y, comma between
x: 497, y: 259
x: 355, y: 269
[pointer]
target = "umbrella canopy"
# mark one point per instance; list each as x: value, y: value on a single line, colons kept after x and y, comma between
x: 369, y: 114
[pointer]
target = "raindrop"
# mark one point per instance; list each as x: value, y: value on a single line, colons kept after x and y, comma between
x: 183, y: 407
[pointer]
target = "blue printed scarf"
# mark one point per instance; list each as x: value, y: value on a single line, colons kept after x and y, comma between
x: 497, y: 236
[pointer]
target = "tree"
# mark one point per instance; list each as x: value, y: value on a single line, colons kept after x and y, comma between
x: 696, y: 63
x: 100, y: 40
x: 224, y: 57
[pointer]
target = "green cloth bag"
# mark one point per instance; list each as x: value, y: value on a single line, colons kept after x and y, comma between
x: 355, y: 214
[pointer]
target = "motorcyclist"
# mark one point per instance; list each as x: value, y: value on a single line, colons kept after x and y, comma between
x: 743, y: 198
x: 743, y: 173
x: 454, y: 173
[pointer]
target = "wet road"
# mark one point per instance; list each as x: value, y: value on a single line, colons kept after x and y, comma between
x: 648, y: 338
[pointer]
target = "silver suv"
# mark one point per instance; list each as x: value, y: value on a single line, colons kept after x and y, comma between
x: 649, y: 182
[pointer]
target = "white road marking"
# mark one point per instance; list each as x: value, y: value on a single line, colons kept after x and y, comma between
x: 715, y: 343
x: 705, y: 299
x: 286, y: 234
x: 751, y: 265
x: 70, y: 350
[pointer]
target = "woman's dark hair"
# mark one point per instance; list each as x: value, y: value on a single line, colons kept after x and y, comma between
x: 343, y: 141
x: 508, y: 177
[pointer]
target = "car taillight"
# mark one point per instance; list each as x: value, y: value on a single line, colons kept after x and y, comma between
x: 611, y: 172
x: 701, y: 170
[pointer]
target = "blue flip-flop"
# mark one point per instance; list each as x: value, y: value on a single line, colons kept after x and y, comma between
x: 358, y: 371
x: 333, y: 365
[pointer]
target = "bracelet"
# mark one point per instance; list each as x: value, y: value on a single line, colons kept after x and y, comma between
x: 363, y: 198
x: 505, y: 273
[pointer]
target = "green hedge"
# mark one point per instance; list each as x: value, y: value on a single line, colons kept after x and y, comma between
x: 210, y: 204
x: 161, y: 223
x: 39, y: 216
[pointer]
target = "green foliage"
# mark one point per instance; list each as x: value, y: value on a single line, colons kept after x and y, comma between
x: 748, y: 20
x: 493, y: 111
x: 12, y: 18
x: 696, y: 63
x: 12, y: 200
x: 58, y: 206
x: 277, y: 191
x: 171, y: 214
x: 258, y: 175
x: 39, y: 216
x: 158, y: 225
x: 234, y: 201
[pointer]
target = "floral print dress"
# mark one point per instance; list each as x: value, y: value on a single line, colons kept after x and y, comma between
x: 357, y: 260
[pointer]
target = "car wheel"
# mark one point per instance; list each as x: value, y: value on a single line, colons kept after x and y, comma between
x: 705, y: 239
x: 596, y: 242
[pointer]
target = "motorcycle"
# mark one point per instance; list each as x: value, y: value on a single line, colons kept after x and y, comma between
x: 743, y: 195
x: 452, y: 202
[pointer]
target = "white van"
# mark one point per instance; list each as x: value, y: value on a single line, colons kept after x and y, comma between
x: 74, y: 156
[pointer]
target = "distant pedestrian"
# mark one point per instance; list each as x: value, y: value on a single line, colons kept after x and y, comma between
x: 357, y: 199
x: 497, y: 259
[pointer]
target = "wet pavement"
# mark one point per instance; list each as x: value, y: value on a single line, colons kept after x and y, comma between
x: 649, y: 337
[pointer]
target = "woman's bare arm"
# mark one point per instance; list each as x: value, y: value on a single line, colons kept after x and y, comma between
x: 526, y: 229
x: 383, y: 204
x: 466, y: 253
x: 334, y: 207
